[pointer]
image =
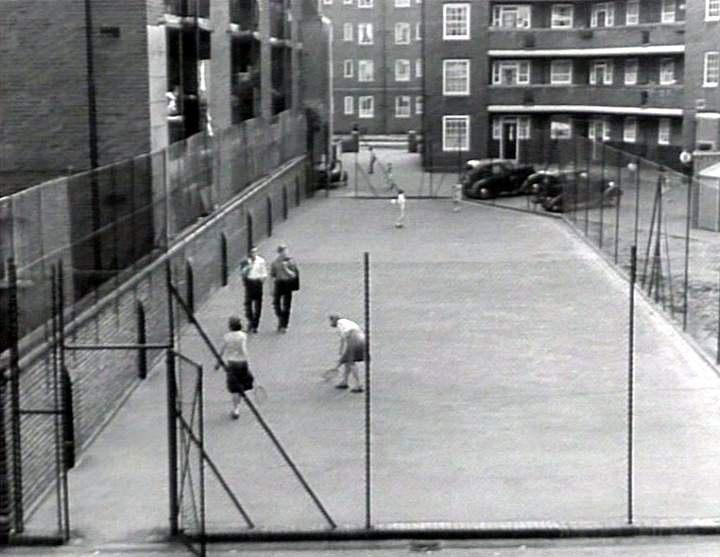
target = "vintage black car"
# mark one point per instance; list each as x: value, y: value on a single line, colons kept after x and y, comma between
x: 485, y: 179
x: 570, y: 191
x: 545, y: 182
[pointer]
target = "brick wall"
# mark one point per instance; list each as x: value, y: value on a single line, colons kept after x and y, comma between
x: 99, y: 389
x: 42, y: 56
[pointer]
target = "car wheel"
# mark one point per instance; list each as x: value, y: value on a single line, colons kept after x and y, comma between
x: 484, y: 193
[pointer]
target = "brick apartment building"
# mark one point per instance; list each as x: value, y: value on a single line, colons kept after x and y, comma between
x: 102, y: 80
x: 377, y: 66
x: 507, y: 78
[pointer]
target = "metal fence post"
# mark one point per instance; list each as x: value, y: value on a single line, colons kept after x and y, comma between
x: 368, y: 398
x: 17, y: 473
x: 631, y: 381
x: 172, y: 440
x: 141, y: 339
x: 686, y: 279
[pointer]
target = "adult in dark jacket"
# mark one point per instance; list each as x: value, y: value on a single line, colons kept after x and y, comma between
x: 286, y: 275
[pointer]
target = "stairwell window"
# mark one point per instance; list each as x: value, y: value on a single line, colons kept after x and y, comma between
x: 365, y: 33
x: 456, y: 77
x: 349, y: 103
x: 667, y: 12
x: 711, y: 71
x: 419, y: 104
x: 511, y: 72
x: 630, y: 130
x: 664, y: 131
x: 402, y: 3
x: 632, y: 12
x: 561, y: 72
x: 508, y: 16
x: 667, y: 71
x: 631, y: 71
x: 456, y: 22
x: 366, y: 70
x: 348, y: 32
x: 366, y: 107
x: 402, y: 33
x: 456, y: 133
x: 712, y: 10
x: 402, y: 70
x: 562, y: 16
x: 523, y: 127
x: 348, y: 69
x: 402, y: 106
x: 365, y: 3
x: 418, y: 68
x: 602, y: 14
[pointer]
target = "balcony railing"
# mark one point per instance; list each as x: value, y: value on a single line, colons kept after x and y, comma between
x: 541, y: 39
x: 644, y: 96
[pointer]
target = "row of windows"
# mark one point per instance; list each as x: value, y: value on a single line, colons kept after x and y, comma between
x: 456, y: 73
x: 456, y: 16
x: 403, y: 33
x: 366, y: 106
x: 366, y: 69
x: 371, y: 3
x: 456, y: 130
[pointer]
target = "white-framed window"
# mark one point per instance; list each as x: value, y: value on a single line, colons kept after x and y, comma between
x: 511, y: 16
x: 560, y: 127
x: 418, y: 67
x: 562, y: 16
x: 711, y: 69
x: 561, y: 72
x: 667, y: 11
x: 630, y: 125
x: 632, y: 12
x: 456, y: 22
x: 602, y: 14
x: 349, y: 105
x: 419, y: 104
x: 366, y: 107
x: 402, y: 33
x: 601, y: 72
x: 402, y: 106
x: 365, y: 3
x: 418, y: 31
x: 348, y: 32
x: 365, y: 33
x: 511, y: 72
x: 348, y: 68
x: 456, y: 77
x: 523, y: 127
x: 402, y: 70
x: 366, y: 70
x: 456, y: 133
x: 497, y: 128
x: 664, y: 131
x: 712, y: 10
x: 402, y: 3
x: 667, y: 71
x: 599, y: 129
x: 327, y: 2
x: 631, y: 71
x: 347, y: 1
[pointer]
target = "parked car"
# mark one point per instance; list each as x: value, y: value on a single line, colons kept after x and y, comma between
x: 544, y: 181
x: 488, y: 178
x: 575, y: 190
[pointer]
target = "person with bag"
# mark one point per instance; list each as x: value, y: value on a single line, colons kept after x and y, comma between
x: 254, y: 272
x: 285, y: 272
x: 238, y: 375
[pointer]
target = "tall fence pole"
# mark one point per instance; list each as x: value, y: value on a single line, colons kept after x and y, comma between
x: 170, y: 373
x: 631, y: 382
x: 717, y: 354
x: 17, y: 473
x: 686, y: 279
x: 368, y: 398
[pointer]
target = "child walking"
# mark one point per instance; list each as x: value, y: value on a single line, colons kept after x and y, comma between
x: 238, y: 376
x: 400, y: 202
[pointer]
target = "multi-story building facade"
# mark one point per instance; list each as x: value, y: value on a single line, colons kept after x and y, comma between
x: 377, y: 66
x: 508, y: 78
x: 110, y: 80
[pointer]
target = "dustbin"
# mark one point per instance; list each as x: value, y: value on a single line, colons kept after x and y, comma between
x: 412, y: 142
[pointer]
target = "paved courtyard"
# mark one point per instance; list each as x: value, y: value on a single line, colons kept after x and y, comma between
x: 499, y: 344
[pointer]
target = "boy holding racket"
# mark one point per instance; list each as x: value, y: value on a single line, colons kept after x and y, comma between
x: 352, y: 349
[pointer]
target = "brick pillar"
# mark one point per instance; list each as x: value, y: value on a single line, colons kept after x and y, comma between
x: 265, y: 61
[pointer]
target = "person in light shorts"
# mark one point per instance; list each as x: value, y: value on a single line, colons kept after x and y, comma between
x: 352, y: 350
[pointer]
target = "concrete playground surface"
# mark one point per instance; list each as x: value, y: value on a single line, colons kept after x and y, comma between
x: 499, y: 392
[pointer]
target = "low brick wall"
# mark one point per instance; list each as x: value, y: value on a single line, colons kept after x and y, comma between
x: 101, y: 384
